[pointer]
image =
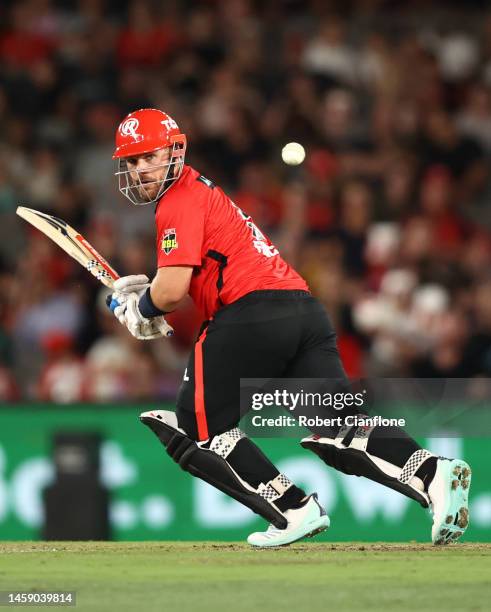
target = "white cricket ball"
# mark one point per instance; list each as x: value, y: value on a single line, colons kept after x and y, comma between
x: 293, y: 154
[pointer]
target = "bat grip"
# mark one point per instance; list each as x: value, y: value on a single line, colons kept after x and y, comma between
x: 111, y: 303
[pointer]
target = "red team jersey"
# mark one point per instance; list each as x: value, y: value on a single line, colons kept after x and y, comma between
x: 199, y: 226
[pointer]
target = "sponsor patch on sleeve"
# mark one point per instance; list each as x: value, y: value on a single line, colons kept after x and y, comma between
x: 169, y: 241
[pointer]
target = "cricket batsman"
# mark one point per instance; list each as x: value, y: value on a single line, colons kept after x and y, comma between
x: 261, y: 322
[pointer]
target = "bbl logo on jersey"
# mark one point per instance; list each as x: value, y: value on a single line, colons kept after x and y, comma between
x: 169, y: 241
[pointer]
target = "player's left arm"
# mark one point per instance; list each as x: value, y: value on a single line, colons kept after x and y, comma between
x: 170, y: 286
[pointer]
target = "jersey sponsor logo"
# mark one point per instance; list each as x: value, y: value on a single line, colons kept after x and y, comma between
x: 129, y: 127
x: 169, y: 241
x: 205, y: 181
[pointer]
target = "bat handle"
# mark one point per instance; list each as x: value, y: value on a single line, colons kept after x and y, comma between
x: 111, y: 303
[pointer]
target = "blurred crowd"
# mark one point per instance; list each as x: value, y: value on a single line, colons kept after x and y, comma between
x: 389, y: 217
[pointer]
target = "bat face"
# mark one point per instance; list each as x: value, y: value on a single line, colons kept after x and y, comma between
x: 72, y: 242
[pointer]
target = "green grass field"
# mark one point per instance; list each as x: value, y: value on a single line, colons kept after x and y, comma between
x: 148, y: 576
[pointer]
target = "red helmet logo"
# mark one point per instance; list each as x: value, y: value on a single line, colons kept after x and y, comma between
x: 129, y: 127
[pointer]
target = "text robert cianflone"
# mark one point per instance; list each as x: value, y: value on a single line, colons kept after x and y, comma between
x: 318, y: 421
x: 286, y: 399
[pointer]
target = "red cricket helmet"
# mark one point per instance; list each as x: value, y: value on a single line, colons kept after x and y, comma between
x: 141, y: 132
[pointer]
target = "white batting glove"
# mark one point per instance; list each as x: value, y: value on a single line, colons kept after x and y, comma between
x: 122, y: 288
x: 120, y: 310
x: 139, y: 326
x: 134, y: 283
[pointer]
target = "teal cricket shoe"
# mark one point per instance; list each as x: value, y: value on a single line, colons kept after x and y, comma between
x: 304, y: 522
x: 449, y: 497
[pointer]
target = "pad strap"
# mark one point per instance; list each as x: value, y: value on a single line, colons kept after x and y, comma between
x: 413, y: 464
x: 225, y: 443
x: 274, y: 489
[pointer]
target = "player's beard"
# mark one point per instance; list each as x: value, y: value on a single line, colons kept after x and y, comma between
x: 150, y: 190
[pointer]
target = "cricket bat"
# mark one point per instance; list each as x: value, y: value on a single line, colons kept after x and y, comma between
x: 72, y: 242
